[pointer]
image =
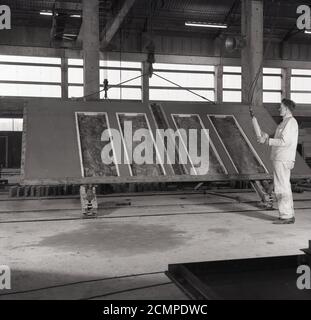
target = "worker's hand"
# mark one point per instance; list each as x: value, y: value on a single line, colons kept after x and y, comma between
x: 251, y: 112
x: 263, y: 139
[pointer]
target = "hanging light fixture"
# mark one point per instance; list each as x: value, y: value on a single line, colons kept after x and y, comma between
x: 206, y: 25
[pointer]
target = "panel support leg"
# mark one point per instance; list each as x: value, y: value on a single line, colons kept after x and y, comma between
x: 88, y: 199
x: 264, y: 191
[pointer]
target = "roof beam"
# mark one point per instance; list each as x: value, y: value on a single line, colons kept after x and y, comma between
x: 234, y: 7
x: 292, y: 32
x: 111, y: 28
x: 70, y: 6
x: 79, y: 39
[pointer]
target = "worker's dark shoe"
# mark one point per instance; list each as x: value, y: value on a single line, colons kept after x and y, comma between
x: 284, y: 221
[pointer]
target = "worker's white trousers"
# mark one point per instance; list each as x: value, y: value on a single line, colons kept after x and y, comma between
x: 282, y: 188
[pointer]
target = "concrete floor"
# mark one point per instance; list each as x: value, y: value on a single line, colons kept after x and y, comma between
x: 46, y: 244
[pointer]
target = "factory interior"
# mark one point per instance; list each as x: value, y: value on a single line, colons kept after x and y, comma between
x: 73, y: 73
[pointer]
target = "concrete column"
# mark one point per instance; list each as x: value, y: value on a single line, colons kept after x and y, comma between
x: 91, y: 48
x: 145, y: 83
x: 219, y: 83
x: 286, y: 82
x: 64, y: 67
x: 252, y: 53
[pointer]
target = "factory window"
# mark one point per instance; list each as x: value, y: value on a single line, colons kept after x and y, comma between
x: 116, y: 72
x: 175, y: 79
x: 30, y: 76
x: 30, y: 59
x: 10, y: 124
x: 232, y: 84
x: 75, y: 62
x: 301, y: 86
x: 75, y: 91
x: 272, y: 85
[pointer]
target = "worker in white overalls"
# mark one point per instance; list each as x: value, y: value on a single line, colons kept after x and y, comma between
x: 283, y: 154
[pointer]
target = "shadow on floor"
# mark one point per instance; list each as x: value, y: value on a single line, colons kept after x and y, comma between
x: 32, y: 285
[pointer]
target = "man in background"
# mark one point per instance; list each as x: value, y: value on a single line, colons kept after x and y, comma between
x: 283, y: 153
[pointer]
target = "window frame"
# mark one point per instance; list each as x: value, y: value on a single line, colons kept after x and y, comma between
x: 55, y: 84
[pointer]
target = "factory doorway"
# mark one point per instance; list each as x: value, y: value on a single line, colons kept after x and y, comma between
x: 10, y: 150
x: 11, y: 132
x: 3, y: 151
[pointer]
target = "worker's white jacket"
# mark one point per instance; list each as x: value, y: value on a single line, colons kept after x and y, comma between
x: 284, y: 143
